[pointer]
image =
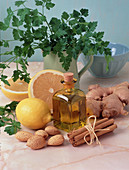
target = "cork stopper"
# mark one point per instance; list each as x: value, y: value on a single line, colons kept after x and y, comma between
x: 68, y: 77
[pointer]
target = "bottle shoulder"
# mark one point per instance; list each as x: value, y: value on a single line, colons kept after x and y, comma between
x: 70, y: 92
x: 69, y: 96
x: 80, y: 92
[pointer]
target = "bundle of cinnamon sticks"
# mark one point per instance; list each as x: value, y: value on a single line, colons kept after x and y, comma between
x: 103, y: 126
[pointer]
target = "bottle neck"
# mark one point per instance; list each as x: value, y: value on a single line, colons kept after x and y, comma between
x: 69, y: 85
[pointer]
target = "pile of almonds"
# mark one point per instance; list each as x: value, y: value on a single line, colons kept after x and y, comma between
x: 39, y: 139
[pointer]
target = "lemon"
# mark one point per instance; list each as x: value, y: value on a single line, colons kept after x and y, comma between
x: 33, y: 113
x: 17, y: 91
x: 44, y: 84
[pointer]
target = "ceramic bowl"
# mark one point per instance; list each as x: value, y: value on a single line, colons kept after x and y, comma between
x: 120, y: 54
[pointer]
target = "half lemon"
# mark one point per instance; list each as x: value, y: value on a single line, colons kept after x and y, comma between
x: 17, y: 91
x: 44, y: 84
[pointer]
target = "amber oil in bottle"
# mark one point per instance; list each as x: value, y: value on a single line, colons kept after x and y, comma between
x: 69, y: 105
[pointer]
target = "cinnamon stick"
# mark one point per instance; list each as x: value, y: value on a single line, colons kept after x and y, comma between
x: 100, y: 126
x: 99, y: 133
x: 83, y: 129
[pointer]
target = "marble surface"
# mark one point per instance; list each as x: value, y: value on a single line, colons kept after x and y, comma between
x: 113, y: 154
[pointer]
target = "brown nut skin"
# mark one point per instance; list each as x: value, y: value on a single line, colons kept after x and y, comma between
x: 23, y: 136
x: 51, y: 130
x: 56, y: 140
x: 36, y: 142
x: 42, y: 133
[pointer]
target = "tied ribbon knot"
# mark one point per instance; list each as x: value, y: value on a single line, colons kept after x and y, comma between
x: 91, y: 131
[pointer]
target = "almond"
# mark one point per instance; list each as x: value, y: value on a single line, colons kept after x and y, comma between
x: 42, y: 133
x: 56, y: 140
x: 51, y: 130
x: 23, y: 136
x: 36, y: 142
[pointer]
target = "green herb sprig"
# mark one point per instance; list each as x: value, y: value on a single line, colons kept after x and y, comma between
x: 8, y: 118
x: 30, y: 27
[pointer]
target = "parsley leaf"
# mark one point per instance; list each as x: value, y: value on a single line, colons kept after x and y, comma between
x: 19, y: 3
x: 65, y: 15
x: 84, y: 12
x: 8, y: 118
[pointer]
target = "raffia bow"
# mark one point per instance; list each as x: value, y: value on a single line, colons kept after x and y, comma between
x: 91, y: 129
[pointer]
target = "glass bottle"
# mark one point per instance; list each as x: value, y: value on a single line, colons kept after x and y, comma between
x: 69, y: 105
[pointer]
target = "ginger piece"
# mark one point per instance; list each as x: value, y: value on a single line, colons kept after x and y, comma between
x: 112, y: 106
x: 93, y: 107
x: 113, y: 98
x: 98, y: 93
x: 122, y: 91
x: 93, y: 86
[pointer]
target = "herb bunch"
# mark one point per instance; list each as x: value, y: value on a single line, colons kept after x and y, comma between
x: 8, y: 118
x: 71, y: 33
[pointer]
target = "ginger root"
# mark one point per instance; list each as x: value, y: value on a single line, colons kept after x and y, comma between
x: 98, y: 93
x: 112, y: 106
x: 94, y: 107
x: 122, y: 91
x: 107, y: 102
